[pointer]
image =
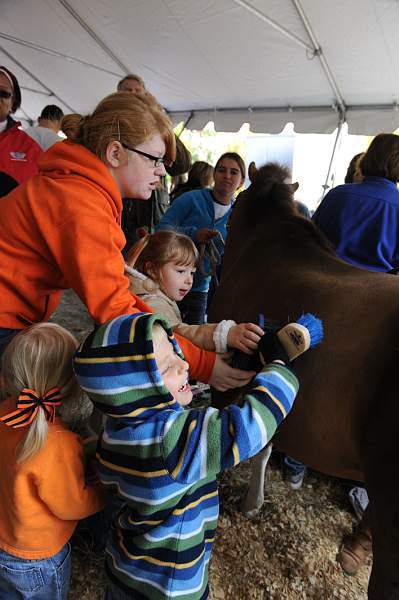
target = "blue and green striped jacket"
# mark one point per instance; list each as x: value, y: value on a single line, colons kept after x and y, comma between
x: 162, y: 460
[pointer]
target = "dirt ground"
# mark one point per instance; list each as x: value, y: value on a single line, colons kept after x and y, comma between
x: 288, y: 553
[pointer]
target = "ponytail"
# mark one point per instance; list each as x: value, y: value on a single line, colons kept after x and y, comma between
x: 72, y: 127
x: 37, y: 371
x: 137, y: 249
x: 35, y: 439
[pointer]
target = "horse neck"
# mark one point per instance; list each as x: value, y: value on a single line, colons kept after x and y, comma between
x: 291, y: 239
x: 300, y: 240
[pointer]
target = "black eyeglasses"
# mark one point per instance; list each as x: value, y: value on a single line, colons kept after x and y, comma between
x: 158, y: 162
x: 5, y: 94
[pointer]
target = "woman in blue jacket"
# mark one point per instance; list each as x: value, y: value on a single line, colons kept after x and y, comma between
x: 203, y: 216
x: 362, y: 219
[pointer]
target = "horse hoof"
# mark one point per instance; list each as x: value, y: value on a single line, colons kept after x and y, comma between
x: 251, y: 514
x: 355, y: 550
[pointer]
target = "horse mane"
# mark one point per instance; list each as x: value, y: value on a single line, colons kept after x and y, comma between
x: 270, y: 193
x: 312, y: 230
x: 269, y: 190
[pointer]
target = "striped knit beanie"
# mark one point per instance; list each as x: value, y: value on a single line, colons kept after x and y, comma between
x: 115, y: 366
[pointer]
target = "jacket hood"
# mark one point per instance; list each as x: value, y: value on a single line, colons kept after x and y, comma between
x: 115, y: 366
x: 139, y: 283
x: 68, y: 159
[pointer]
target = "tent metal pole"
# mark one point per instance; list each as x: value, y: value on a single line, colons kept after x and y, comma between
x: 326, y: 186
x: 319, y: 53
x: 33, y: 46
x: 40, y: 92
x: 314, y: 47
x: 285, y: 109
x: 273, y: 24
x: 21, y: 66
x: 186, y: 122
x: 93, y: 35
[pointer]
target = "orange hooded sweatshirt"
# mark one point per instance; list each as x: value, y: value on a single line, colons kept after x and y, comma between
x: 61, y: 229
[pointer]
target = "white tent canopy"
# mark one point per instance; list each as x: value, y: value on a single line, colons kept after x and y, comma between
x: 314, y: 62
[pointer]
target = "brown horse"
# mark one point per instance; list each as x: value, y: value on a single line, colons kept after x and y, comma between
x: 345, y: 421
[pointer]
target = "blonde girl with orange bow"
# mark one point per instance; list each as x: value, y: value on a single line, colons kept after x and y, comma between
x: 43, y: 491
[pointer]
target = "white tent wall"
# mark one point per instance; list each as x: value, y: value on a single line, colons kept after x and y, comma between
x: 312, y: 155
x: 265, y: 61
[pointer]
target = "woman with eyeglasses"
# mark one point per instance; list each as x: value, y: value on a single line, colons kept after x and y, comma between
x: 61, y: 229
x: 18, y: 151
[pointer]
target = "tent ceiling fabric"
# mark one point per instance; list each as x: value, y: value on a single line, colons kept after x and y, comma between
x: 230, y: 61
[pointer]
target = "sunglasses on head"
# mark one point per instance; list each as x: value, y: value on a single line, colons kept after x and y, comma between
x: 5, y: 94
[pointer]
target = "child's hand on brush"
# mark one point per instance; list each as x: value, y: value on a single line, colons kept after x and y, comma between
x: 244, y: 337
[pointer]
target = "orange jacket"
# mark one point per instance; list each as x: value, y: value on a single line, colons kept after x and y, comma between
x: 61, y: 229
x: 43, y: 498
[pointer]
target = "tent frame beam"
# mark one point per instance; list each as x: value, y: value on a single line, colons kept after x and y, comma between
x: 283, y: 109
x: 51, y: 52
x: 93, y: 35
x: 320, y: 55
x: 23, y: 68
x: 313, y: 48
x: 260, y: 15
x: 337, y: 137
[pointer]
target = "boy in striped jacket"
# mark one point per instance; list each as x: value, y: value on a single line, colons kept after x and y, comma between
x: 162, y: 460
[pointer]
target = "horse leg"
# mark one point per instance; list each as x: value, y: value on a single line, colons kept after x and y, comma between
x: 356, y: 547
x: 253, y: 501
x: 384, y: 513
x: 381, y: 455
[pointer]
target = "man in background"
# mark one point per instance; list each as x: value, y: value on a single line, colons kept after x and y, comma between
x: 48, y: 126
x: 132, y: 83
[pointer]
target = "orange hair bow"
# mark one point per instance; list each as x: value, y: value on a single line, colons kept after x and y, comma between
x: 28, y: 404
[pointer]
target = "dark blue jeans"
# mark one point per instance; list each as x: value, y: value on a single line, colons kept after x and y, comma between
x: 6, y: 336
x: 193, y: 308
x: 100, y: 523
x: 43, y: 579
x: 293, y: 465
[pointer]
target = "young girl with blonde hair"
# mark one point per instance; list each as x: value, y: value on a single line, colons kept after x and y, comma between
x: 160, y: 268
x: 43, y: 492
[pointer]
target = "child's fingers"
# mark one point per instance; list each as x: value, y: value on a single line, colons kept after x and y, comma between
x: 251, y: 327
x: 251, y: 337
x: 243, y: 347
x: 248, y: 346
x: 225, y: 377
